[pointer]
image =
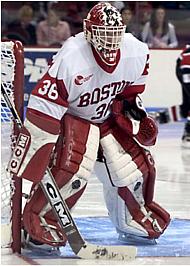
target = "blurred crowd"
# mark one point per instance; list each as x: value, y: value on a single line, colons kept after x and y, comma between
x: 44, y: 23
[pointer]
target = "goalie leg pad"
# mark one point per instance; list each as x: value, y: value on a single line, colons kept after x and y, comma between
x: 129, y: 187
x: 44, y: 230
x: 72, y: 163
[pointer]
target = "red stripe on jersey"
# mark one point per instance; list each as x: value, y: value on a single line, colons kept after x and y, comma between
x: 43, y: 121
x: 62, y: 91
x: 145, y: 71
x: 185, y: 60
x: 51, y: 89
x: 174, y: 113
x: 133, y: 90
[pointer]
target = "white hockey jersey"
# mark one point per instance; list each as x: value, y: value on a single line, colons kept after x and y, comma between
x: 77, y: 84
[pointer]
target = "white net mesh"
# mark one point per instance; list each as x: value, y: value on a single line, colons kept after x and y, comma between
x: 7, y: 139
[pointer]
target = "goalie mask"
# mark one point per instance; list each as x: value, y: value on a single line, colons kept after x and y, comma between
x: 104, y: 29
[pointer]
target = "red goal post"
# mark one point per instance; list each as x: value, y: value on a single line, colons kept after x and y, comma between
x: 12, y: 80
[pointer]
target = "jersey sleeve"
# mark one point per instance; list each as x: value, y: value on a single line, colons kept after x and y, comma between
x: 185, y: 66
x: 48, y: 101
x: 138, y: 86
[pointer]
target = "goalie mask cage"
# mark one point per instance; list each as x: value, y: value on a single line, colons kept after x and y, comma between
x: 12, y: 80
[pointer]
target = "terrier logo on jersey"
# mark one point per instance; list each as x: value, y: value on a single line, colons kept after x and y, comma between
x: 18, y: 153
x: 79, y: 80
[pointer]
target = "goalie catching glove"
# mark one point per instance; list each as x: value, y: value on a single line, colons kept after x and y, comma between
x: 133, y: 119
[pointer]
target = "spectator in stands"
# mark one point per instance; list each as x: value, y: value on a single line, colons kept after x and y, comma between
x: 183, y: 75
x: 138, y: 17
x: 127, y: 17
x: 118, y: 4
x: 52, y: 31
x: 143, y: 13
x: 23, y: 28
x: 159, y: 32
x: 5, y: 19
x: 74, y: 18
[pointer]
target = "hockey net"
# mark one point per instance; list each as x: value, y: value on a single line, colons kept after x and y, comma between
x: 12, y: 80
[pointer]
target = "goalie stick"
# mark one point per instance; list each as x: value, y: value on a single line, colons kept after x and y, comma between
x: 80, y: 247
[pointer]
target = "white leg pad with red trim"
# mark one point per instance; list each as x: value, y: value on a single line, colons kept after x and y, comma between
x: 123, y: 170
x: 128, y: 188
x: 85, y: 168
x: 72, y: 163
x: 120, y: 214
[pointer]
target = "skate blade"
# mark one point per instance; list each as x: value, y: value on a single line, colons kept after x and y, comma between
x: 135, y: 240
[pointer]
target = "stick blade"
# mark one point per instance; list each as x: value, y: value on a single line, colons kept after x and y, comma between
x: 90, y: 251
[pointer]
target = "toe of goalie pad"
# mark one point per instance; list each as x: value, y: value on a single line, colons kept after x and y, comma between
x: 149, y: 220
x: 162, y: 218
x: 135, y: 240
x: 45, y: 231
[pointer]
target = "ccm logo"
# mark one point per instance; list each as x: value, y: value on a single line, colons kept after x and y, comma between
x: 18, y: 153
x: 59, y: 207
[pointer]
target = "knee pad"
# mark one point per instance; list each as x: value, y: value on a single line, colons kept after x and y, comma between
x: 71, y: 164
x: 125, y: 164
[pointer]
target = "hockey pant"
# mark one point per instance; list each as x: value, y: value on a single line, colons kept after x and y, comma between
x: 129, y: 185
x: 71, y: 164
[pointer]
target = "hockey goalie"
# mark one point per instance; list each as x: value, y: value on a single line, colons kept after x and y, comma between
x: 89, y: 99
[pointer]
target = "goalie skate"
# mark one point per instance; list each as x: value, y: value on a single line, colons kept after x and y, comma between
x: 36, y: 246
x: 130, y: 239
x: 186, y: 136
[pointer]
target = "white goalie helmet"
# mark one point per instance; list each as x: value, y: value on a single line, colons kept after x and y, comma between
x: 104, y: 29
